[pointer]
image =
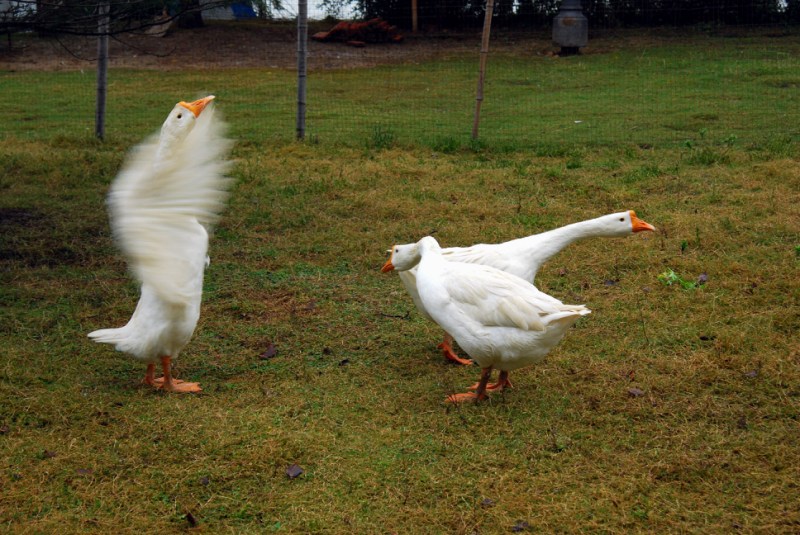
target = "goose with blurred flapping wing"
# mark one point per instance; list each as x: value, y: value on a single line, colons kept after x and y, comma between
x: 500, y: 320
x: 169, y: 192
x: 521, y: 257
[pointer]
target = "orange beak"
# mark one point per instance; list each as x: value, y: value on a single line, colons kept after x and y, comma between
x: 198, y: 105
x: 639, y: 225
x: 387, y: 266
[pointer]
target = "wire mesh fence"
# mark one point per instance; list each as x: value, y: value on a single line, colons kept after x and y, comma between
x: 666, y: 85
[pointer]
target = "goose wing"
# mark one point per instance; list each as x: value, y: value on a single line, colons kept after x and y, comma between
x: 160, y: 208
x: 495, y: 298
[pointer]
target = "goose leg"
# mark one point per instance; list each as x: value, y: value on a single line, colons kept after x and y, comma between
x: 447, y: 350
x: 151, y: 379
x: 502, y: 383
x: 150, y: 375
x: 173, y: 385
x: 480, y: 391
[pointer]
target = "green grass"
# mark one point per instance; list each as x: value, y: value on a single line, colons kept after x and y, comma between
x: 708, y: 443
x: 709, y: 92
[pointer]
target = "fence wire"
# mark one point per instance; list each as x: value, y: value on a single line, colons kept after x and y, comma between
x: 660, y: 85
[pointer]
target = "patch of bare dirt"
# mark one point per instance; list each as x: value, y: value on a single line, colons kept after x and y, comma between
x: 244, y: 45
x: 264, y: 44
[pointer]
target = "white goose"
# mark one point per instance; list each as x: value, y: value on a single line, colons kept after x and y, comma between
x: 521, y: 257
x: 498, y: 319
x: 171, y: 188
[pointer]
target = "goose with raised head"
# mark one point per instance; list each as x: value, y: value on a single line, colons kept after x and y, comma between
x: 500, y: 320
x: 169, y: 192
x: 521, y: 257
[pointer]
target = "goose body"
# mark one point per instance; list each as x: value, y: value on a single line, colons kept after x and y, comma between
x: 500, y: 320
x: 521, y: 257
x: 169, y: 191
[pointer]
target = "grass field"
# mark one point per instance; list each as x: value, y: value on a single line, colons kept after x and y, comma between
x: 668, y: 409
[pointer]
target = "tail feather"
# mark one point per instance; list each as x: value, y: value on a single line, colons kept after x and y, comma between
x: 580, y: 309
x: 109, y: 336
x: 569, y: 316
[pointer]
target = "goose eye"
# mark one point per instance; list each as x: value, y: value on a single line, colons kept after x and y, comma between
x: 622, y: 219
x: 180, y: 116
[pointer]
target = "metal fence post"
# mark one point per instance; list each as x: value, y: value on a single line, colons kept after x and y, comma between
x: 102, y: 70
x: 302, y: 56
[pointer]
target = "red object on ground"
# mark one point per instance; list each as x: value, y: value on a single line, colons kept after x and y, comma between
x: 359, y: 33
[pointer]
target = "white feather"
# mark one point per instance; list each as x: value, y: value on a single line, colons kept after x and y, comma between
x: 521, y: 257
x: 157, y: 202
x: 169, y: 192
x: 497, y: 318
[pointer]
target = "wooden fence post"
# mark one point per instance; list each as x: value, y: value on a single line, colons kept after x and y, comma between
x: 487, y: 27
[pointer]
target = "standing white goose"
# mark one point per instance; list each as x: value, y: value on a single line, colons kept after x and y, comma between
x: 521, y: 257
x: 171, y: 188
x: 498, y: 319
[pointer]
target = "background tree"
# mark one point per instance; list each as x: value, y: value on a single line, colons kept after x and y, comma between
x: 456, y: 14
x: 191, y: 15
x: 82, y: 17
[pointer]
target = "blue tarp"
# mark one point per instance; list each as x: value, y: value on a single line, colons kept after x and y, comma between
x: 243, y: 11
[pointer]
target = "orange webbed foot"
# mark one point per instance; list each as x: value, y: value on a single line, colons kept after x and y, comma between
x: 449, y: 354
x: 158, y: 381
x: 499, y: 386
x: 168, y: 382
x: 463, y: 398
x: 180, y: 387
